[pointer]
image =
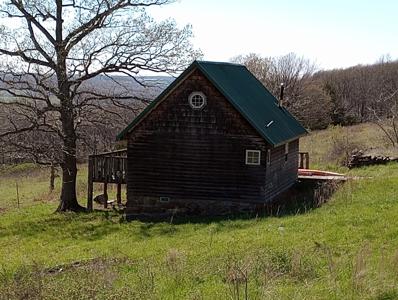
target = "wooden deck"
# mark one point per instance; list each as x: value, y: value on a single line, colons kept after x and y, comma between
x: 306, y: 174
x: 107, y: 168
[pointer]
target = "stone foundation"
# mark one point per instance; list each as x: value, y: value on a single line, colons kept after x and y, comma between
x: 150, y: 205
x: 300, y: 197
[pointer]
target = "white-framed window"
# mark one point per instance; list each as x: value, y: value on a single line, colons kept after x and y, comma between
x: 253, y: 157
x: 197, y: 100
x: 164, y: 199
x: 268, y: 157
x: 286, y: 151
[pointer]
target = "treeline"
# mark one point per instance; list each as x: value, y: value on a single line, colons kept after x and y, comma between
x: 348, y: 96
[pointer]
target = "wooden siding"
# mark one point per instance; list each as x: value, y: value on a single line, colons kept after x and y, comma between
x: 282, y: 173
x: 187, y: 154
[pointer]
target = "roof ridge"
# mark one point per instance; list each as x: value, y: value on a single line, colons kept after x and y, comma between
x: 219, y: 63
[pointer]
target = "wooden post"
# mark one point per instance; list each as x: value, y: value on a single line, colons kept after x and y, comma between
x: 307, y: 160
x: 90, y: 184
x: 119, y: 194
x: 106, y: 182
x: 304, y: 160
x: 301, y: 160
x: 106, y: 192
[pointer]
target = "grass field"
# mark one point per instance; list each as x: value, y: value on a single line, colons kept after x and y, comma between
x: 347, y: 249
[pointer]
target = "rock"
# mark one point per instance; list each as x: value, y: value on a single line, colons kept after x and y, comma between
x: 101, y: 199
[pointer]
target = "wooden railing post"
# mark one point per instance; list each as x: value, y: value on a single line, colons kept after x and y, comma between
x: 106, y: 193
x: 301, y: 160
x: 304, y: 160
x: 90, y: 184
x: 307, y: 160
x: 106, y: 182
x: 119, y: 194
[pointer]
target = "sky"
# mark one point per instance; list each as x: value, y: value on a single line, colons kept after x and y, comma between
x: 332, y: 33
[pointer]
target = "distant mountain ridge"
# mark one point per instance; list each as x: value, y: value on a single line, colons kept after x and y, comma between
x: 147, y: 86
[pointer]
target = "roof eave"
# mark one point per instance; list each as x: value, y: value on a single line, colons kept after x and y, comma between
x: 291, y: 139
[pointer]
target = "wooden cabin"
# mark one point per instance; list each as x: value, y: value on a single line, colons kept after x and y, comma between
x: 214, y: 141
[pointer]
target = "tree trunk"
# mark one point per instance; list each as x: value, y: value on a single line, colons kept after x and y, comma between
x: 68, y: 200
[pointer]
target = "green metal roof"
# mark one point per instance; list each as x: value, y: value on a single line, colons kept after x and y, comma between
x: 248, y: 95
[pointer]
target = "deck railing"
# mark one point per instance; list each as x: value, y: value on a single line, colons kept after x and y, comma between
x: 304, y: 160
x: 108, y: 167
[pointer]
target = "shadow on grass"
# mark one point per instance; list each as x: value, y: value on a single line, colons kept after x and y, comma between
x: 301, y: 198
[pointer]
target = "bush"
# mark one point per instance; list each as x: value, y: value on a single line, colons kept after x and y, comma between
x: 342, y: 145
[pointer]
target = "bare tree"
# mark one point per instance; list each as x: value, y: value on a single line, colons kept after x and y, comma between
x: 293, y: 71
x: 52, y: 50
x: 356, y: 92
x: 387, y: 123
x: 35, y: 146
x: 260, y: 66
x: 313, y: 106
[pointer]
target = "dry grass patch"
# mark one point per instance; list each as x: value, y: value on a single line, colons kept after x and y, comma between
x: 332, y: 146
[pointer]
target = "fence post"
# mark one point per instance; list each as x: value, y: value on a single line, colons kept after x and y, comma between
x: 16, y: 185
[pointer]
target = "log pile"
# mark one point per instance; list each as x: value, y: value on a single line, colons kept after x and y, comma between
x: 359, y: 159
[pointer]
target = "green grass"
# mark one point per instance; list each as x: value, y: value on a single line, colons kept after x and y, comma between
x: 25, y: 182
x: 346, y: 249
x: 30, y: 184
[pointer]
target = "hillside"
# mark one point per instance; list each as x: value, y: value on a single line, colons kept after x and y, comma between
x: 328, y: 148
x: 347, y: 249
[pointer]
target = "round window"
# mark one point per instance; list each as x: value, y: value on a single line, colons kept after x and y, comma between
x: 197, y: 100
